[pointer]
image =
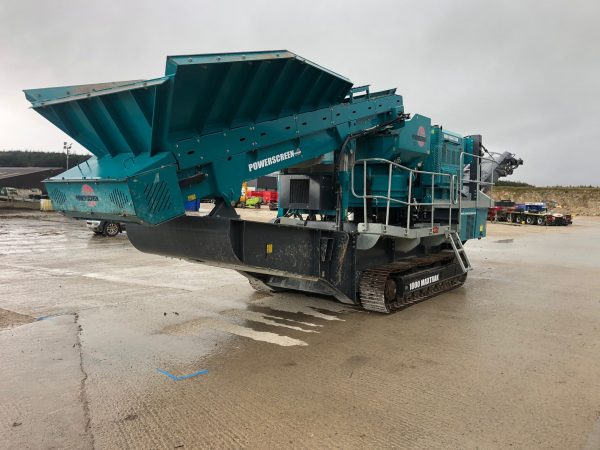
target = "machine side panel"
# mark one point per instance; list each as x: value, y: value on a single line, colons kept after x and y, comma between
x: 263, y: 249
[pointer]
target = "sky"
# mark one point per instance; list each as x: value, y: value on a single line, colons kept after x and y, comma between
x: 525, y: 74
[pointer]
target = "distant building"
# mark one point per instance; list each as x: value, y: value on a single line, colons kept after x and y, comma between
x: 27, y: 177
x: 268, y: 182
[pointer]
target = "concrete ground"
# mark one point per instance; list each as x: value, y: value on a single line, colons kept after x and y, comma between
x: 96, y: 340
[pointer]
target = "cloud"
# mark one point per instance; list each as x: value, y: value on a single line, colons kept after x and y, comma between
x: 523, y: 74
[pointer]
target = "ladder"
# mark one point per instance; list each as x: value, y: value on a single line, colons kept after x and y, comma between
x: 459, y: 251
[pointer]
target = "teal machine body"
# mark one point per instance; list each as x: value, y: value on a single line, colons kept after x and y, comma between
x: 350, y: 161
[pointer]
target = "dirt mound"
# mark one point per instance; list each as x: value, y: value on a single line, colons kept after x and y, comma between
x: 578, y: 201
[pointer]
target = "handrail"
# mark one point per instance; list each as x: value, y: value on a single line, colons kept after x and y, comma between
x: 477, y: 181
x: 456, y: 185
x: 409, y: 203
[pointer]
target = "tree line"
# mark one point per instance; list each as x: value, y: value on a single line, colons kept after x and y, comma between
x: 28, y: 158
x: 509, y: 183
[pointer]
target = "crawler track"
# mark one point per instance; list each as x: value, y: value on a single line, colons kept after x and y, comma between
x: 378, y: 293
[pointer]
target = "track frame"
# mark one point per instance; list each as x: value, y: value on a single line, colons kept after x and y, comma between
x: 277, y: 256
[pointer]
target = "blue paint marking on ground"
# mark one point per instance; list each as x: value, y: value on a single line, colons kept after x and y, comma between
x: 43, y: 318
x: 183, y: 377
x: 200, y: 372
x: 164, y: 372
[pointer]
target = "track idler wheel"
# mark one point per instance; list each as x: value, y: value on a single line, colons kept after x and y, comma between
x: 377, y: 290
x: 390, y: 290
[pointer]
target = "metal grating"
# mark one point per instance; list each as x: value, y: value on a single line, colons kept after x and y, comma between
x: 158, y: 197
x: 299, y: 191
x: 470, y: 226
x: 58, y: 197
x: 119, y: 198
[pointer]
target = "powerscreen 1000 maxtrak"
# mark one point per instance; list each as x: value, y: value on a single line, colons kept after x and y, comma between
x: 375, y: 204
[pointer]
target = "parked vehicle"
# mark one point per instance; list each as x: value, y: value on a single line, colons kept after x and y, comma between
x: 23, y: 195
x: 267, y: 197
x: 8, y: 193
x: 255, y: 198
x: 105, y: 227
x: 252, y: 202
x: 527, y: 213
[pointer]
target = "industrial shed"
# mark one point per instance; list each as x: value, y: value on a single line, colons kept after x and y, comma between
x: 27, y: 177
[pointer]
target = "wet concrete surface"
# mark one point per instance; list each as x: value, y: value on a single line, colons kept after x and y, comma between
x: 89, y: 327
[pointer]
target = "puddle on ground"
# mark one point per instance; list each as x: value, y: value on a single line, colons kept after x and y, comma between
x: 282, y: 319
x: 298, y: 317
x: 272, y: 320
x: 309, y: 308
x: 199, y: 326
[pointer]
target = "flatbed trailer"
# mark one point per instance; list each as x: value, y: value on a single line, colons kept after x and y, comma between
x: 518, y: 215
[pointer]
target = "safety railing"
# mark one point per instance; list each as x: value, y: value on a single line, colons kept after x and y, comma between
x: 477, y: 180
x: 454, y: 191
